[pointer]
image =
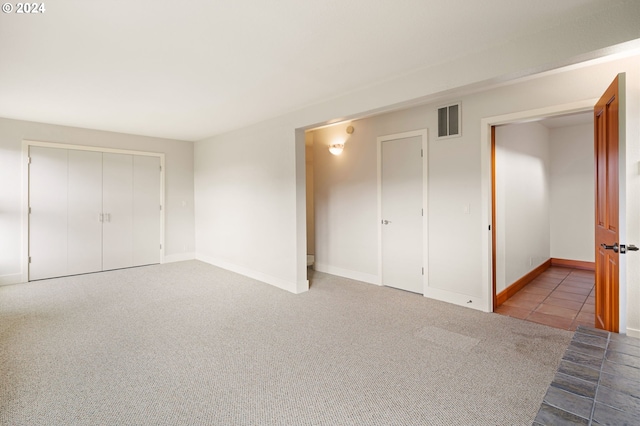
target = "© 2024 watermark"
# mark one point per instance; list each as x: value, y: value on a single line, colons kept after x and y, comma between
x: 24, y: 8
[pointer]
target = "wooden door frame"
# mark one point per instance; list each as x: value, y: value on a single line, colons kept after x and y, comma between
x: 487, y: 182
x: 423, y: 134
x: 494, y: 260
x: 27, y: 144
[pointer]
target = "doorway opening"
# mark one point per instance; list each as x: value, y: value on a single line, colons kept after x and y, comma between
x: 488, y: 198
x: 310, y: 199
x: 344, y: 198
x: 543, y: 220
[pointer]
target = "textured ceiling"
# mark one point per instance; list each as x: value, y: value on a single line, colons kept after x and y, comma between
x: 189, y: 70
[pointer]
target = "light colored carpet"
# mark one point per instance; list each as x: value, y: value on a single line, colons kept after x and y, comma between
x: 190, y: 344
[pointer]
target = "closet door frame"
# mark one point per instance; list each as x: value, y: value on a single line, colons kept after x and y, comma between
x: 27, y: 144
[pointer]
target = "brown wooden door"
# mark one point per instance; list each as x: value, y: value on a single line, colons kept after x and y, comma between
x: 606, y: 214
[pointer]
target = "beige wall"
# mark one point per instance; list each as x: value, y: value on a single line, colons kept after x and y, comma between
x: 572, y: 197
x: 522, y: 201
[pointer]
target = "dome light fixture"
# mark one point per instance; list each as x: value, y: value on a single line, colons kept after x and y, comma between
x: 336, y: 148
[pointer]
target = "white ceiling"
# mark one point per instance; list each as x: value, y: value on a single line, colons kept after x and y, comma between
x: 568, y: 120
x: 189, y: 70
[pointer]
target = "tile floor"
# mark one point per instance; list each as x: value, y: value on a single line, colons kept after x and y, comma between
x: 559, y: 297
x: 597, y: 382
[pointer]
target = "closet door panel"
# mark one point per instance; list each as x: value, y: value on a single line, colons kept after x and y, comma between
x: 48, y: 218
x: 146, y: 210
x: 85, y: 212
x: 117, y: 203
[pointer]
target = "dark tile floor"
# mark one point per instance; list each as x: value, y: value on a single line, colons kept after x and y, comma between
x: 559, y: 297
x: 597, y: 382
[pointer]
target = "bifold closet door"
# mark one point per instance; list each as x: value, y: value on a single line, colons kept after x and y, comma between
x: 117, y: 209
x: 48, y: 217
x: 84, y: 234
x: 92, y: 211
x: 146, y: 210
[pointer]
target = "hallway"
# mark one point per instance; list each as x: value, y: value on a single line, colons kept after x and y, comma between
x: 560, y: 297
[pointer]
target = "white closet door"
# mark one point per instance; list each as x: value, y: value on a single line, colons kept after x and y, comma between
x: 146, y: 210
x: 117, y: 203
x: 84, y: 214
x: 48, y: 218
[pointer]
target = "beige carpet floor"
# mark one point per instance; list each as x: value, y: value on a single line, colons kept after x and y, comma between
x: 190, y: 344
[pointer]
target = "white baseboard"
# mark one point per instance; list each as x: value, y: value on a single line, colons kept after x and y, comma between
x: 180, y: 257
x: 456, y: 298
x: 10, y: 279
x: 289, y: 286
x: 632, y: 332
x: 346, y: 273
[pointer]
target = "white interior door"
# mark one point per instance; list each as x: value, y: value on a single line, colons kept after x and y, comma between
x: 402, y: 204
x: 117, y: 204
x: 146, y: 210
x: 48, y: 217
x: 84, y: 236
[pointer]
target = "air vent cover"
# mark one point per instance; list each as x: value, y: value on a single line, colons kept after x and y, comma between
x: 449, y: 121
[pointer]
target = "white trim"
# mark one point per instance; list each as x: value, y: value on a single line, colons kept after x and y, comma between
x: 347, y: 273
x: 300, y: 149
x: 485, y: 175
x: 455, y: 298
x: 90, y: 148
x: 633, y: 332
x: 622, y: 198
x: 423, y: 133
x: 163, y: 206
x: 10, y: 279
x: 180, y: 257
x: 289, y: 286
x: 26, y: 144
x: 24, y: 224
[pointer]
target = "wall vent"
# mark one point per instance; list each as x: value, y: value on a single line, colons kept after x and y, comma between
x: 449, y: 121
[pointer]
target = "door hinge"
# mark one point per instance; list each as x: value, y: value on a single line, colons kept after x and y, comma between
x: 29, y: 259
x: 28, y: 160
x: 422, y: 212
x: 160, y: 168
x: 423, y: 271
x: 489, y: 227
x: 160, y: 246
x: 421, y: 153
x: 160, y: 206
x: 29, y: 210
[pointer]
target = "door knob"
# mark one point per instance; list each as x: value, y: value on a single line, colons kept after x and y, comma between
x: 614, y: 247
x: 386, y: 222
x: 631, y: 247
